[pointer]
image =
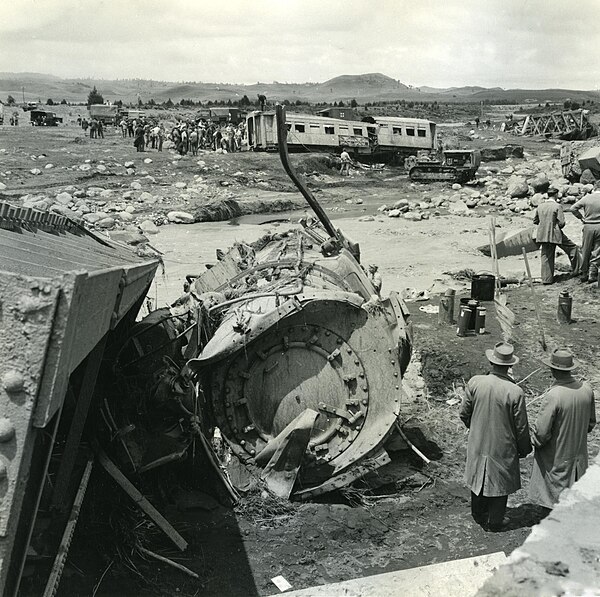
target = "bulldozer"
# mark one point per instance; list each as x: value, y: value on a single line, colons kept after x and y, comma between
x: 456, y: 165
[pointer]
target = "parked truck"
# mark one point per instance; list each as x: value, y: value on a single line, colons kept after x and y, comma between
x: 107, y: 113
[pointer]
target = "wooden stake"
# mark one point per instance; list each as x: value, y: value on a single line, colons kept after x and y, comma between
x: 535, y: 302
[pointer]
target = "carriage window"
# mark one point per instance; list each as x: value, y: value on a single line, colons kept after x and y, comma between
x: 410, y: 131
x: 422, y: 133
x: 329, y: 130
x: 358, y: 131
x: 315, y: 126
x: 289, y: 126
x: 300, y: 128
x: 341, y: 114
x: 343, y: 129
x: 397, y: 130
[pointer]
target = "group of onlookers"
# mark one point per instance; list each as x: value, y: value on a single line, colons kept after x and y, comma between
x: 189, y: 136
x: 95, y: 125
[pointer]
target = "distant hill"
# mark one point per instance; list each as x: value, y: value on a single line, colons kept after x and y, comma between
x: 370, y: 87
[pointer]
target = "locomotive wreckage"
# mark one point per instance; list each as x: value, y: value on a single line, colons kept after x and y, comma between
x: 283, y: 348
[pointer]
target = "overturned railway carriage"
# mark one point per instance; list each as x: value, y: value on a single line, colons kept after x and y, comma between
x: 303, y: 336
x: 389, y: 136
x: 65, y: 294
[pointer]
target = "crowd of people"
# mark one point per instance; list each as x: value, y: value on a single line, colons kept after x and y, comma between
x: 95, y: 126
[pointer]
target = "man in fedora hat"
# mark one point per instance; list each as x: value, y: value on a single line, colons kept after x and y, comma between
x: 550, y: 220
x: 494, y: 411
x: 560, y: 431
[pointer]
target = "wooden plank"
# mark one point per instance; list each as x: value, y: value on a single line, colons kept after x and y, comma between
x: 131, y: 490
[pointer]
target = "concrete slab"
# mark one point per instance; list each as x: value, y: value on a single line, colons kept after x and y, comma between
x: 457, y: 578
x: 561, y: 556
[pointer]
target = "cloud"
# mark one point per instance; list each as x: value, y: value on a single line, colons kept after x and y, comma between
x: 526, y: 43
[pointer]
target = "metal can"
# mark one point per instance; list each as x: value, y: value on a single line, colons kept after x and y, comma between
x: 565, y: 306
x: 480, y: 320
x: 464, y: 317
x: 446, y: 312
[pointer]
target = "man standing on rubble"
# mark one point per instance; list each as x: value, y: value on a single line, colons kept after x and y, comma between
x: 590, y: 261
x: 346, y: 161
x: 560, y: 431
x: 550, y: 220
x: 494, y: 410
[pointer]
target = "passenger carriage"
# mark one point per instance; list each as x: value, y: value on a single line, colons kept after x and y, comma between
x: 387, y: 137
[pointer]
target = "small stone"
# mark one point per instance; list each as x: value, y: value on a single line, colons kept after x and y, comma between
x: 49, y: 166
x: 136, y: 186
x: 35, y: 171
x: 456, y: 187
x: 180, y: 185
x: 129, y: 164
x: 148, y: 161
x: 85, y: 167
x: 101, y: 168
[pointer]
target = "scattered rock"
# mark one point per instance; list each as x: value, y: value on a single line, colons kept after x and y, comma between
x: 518, y: 188
x: 180, y: 185
x: 180, y: 217
x: 148, y: 161
x: 136, y: 186
x: 35, y: 171
x: 458, y: 207
x: 64, y: 198
x: 149, y: 227
x: 105, y: 223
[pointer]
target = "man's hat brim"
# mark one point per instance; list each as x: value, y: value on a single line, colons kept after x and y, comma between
x: 492, y: 359
x: 548, y: 362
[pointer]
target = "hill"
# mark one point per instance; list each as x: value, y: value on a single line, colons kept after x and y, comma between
x: 370, y: 87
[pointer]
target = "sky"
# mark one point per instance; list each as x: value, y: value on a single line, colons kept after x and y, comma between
x: 531, y: 44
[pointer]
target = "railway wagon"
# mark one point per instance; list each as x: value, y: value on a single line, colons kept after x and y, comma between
x: 381, y: 136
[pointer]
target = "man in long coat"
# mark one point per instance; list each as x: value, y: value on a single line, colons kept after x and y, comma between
x: 560, y: 431
x: 550, y: 220
x: 494, y: 411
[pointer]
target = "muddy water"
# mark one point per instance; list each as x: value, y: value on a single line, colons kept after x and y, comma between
x: 409, y: 254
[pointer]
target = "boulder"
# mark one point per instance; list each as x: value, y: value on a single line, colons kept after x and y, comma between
x: 180, y: 217
x: 149, y: 227
x: 148, y: 161
x: 145, y: 197
x: 540, y: 183
x: 92, y: 218
x: 85, y: 167
x: 35, y: 171
x: 587, y: 177
x: 129, y: 165
x: 101, y: 168
x: 394, y: 213
x: 400, y: 203
x: 522, y: 205
x: 49, y: 166
x: 518, y: 188
x: 124, y: 216
x: 136, y: 186
x: 105, y: 223
x: 458, y: 207
x: 64, y: 198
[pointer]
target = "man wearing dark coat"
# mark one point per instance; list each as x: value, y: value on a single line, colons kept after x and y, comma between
x: 560, y: 431
x: 550, y: 220
x: 494, y: 411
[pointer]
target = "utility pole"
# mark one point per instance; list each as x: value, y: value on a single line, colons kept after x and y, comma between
x: 23, y: 90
